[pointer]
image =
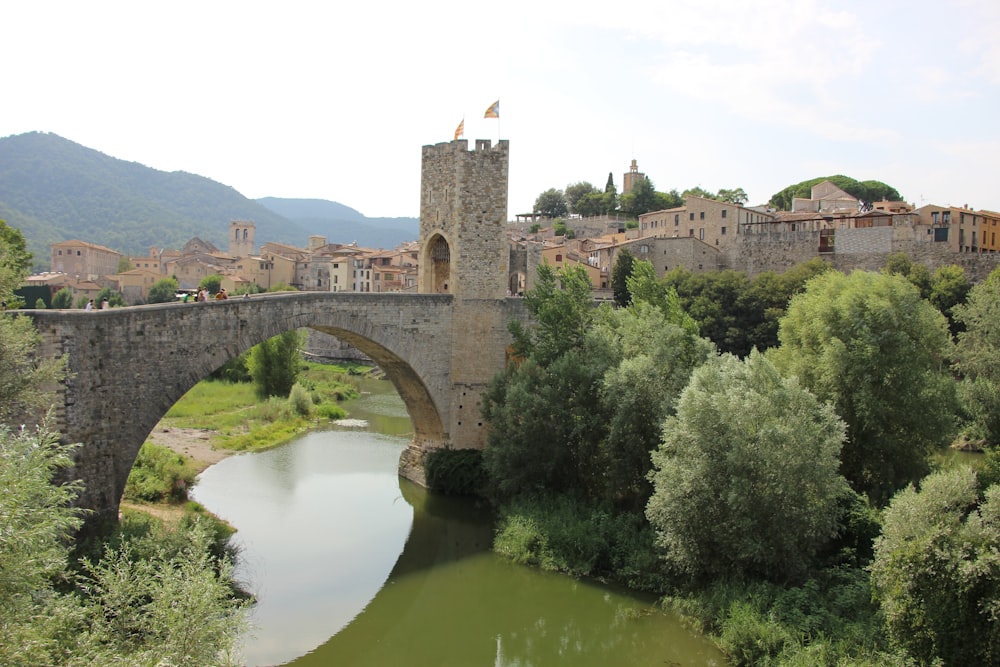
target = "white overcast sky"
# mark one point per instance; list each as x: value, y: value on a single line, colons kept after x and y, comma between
x: 333, y: 100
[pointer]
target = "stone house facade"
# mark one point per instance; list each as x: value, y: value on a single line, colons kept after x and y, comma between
x: 714, y: 222
x: 83, y: 260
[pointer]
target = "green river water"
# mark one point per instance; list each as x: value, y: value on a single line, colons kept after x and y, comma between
x: 353, y: 565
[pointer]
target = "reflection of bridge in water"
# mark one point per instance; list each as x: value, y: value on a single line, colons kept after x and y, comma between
x: 130, y: 365
x: 449, y: 601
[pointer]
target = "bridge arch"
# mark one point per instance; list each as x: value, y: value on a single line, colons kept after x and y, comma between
x: 130, y: 365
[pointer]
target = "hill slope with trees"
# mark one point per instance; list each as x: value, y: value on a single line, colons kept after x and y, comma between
x: 53, y: 189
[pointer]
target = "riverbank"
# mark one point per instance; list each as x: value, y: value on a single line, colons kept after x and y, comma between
x: 194, y: 443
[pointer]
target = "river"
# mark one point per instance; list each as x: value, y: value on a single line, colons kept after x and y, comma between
x: 352, y: 565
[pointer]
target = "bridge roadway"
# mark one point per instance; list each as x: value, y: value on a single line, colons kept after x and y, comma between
x: 128, y: 366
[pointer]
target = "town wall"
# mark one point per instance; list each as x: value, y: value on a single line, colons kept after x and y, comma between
x: 863, y: 249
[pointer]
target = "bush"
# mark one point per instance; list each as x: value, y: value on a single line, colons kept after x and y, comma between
x: 456, y: 472
x: 567, y: 535
x: 301, y: 400
x: 330, y: 411
x: 159, y: 474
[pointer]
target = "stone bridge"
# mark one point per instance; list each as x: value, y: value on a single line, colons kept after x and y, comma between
x: 130, y: 365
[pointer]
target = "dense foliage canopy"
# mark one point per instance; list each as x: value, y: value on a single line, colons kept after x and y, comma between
x: 936, y: 571
x: 746, y: 480
x: 977, y: 358
x: 871, y: 346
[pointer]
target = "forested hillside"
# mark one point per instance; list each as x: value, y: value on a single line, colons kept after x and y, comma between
x: 53, y: 189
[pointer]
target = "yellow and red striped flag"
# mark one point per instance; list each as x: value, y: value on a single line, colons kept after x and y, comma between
x: 493, y: 111
x: 460, y: 130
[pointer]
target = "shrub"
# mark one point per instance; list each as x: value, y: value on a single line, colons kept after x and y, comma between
x: 330, y: 411
x: 159, y: 474
x: 457, y: 472
x: 301, y: 400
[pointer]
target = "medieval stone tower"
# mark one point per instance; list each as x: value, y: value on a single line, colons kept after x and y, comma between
x: 241, y: 233
x: 463, y: 215
x: 464, y: 253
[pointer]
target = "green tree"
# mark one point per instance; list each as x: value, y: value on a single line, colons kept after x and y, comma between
x: 561, y: 304
x: 36, y: 524
x: 115, y: 298
x: 867, y: 343
x: 919, y: 276
x: 23, y: 374
x: 528, y: 451
x: 698, y: 191
x: 977, y: 357
x: 610, y: 200
x: 124, y: 264
x: 643, y: 198
x: 578, y: 191
x: 746, y: 481
x: 735, y: 196
x: 15, y: 261
x: 274, y: 364
x: 211, y: 283
x: 650, y: 355
x: 949, y: 287
x: 163, y: 290
x: 936, y: 572
x: 594, y: 203
x: 867, y: 192
x: 63, y: 299
x: 719, y: 302
x: 551, y: 204
x: 619, y: 276
x: 163, y: 608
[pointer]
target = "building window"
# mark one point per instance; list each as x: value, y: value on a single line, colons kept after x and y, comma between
x: 946, y: 217
x: 677, y: 219
x: 701, y: 216
x: 701, y: 234
x: 558, y: 258
x: 723, y: 230
x: 691, y: 216
x: 691, y: 232
x: 724, y: 211
x: 644, y: 248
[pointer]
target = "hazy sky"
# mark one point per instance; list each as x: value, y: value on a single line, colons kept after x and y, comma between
x: 333, y: 100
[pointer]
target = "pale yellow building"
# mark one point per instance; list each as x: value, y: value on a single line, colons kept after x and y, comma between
x: 84, y: 260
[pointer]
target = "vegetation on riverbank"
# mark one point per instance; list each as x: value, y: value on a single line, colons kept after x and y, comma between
x: 239, y: 419
x: 786, y: 501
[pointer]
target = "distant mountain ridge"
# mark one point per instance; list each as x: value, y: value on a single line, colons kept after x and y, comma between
x: 53, y: 190
x: 337, y: 222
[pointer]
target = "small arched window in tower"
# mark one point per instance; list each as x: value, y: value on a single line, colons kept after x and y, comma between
x: 237, y: 235
x: 245, y: 232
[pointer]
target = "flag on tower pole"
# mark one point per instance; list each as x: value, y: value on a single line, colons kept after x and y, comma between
x: 460, y: 130
x: 493, y: 111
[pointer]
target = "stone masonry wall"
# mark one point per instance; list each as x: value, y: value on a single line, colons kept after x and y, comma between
x: 464, y: 199
x: 855, y: 249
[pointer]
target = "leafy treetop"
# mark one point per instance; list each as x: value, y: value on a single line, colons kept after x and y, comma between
x: 867, y: 192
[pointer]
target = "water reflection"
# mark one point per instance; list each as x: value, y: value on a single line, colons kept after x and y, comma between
x: 321, y: 523
x: 354, y: 566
